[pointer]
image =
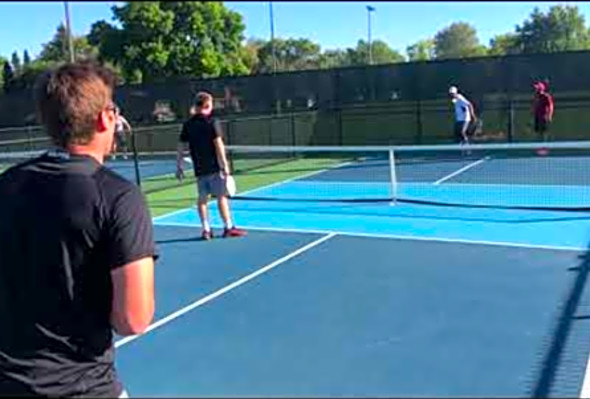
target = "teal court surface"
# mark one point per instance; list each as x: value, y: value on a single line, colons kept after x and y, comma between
x: 377, y: 299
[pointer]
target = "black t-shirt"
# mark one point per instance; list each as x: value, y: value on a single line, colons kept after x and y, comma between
x: 200, y: 132
x: 65, y: 223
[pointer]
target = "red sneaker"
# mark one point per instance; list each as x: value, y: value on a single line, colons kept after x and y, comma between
x: 233, y: 232
x: 206, y: 235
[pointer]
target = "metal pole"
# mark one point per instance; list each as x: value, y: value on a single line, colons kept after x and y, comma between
x: 69, y: 32
x: 135, y: 158
x: 272, y: 38
x: 369, y: 10
x: 392, y: 177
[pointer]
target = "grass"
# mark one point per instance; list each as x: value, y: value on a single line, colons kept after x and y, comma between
x: 183, y: 195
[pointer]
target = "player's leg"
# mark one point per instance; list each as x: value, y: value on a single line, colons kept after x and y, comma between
x: 123, y: 145
x: 204, y: 190
x: 540, y: 127
x: 219, y: 190
x: 464, y: 131
x: 457, y: 131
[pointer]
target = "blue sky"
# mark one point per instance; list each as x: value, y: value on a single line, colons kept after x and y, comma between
x: 27, y: 25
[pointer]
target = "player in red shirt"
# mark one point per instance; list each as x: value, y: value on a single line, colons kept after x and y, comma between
x: 542, y: 112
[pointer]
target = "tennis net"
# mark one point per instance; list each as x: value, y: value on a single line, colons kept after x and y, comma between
x: 477, y: 175
x: 552, y: 176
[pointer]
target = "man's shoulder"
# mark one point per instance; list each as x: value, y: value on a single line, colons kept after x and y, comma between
x: 113, y: 184
x: 19, y: 168
x: 462, y: 98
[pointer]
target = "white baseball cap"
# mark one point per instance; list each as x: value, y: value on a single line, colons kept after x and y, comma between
x: 453, y: 90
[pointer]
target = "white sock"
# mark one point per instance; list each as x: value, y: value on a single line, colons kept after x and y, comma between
x: 206, y: 226
x: 229, y: 224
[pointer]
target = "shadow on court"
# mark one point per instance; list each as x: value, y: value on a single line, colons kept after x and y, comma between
x: 562, y: 366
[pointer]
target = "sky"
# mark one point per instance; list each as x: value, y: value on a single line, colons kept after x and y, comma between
x: 27, y: 25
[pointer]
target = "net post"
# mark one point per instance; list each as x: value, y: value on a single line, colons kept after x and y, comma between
x: 392, y: 176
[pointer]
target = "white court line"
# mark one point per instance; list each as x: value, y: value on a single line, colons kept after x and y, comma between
x: 459, y: 171
x: 225, y: 289
x: 585, y: 391
x: 395, y: 237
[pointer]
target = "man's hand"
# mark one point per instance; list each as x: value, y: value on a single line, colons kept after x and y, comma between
x: 225, y: 170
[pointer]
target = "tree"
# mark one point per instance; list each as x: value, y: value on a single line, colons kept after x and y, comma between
x: 334, y: 59
x: 7, y: 76
x: 561, y: 29
x: 163, y: 39
x: 458, y: 40
x: 250, y: 54
x: 3, y: 62
x: 15, y: 61
x: 422, y: 50
x: 57, y: 49
x: 504, y: 44
x: 291, y: 55
x: 382, y: 53
x: 26, y: 59
x: 29, y: 73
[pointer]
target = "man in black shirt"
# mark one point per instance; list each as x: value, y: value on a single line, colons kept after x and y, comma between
x: 203, y: 134
x: 76, y: 248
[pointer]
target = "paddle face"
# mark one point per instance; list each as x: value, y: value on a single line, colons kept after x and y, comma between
x: 230, y: 185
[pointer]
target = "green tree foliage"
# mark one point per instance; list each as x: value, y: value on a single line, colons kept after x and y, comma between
x: 26, y: 59
x: 291, y: 55
x: 2, y: 62
x: 562, y: 28
x: 29, y: 74
x: 15, y: 61
x: 7, y: 76
x: 163, y: 39
x: 422, y: 50
x: 458, y: 40
x: 504, y: 44
x: 57, y: 49
x: 250, y: 53
x: 382, y: 53
x: 334, y: 59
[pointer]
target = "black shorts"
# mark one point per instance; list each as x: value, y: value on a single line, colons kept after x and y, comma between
x: 121, y: 139
x: 541, y: 125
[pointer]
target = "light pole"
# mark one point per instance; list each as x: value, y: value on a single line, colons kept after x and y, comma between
x: 69, y: 32
x: 369, y: 11
x: 272, y: 38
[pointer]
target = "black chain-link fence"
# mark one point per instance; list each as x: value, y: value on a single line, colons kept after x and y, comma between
x: 403, y: 103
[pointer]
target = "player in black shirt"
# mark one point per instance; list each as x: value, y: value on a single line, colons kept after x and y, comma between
x: 76, y: 248
x: 202, y: 132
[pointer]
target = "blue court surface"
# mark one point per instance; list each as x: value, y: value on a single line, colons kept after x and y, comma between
x: 375, y: 299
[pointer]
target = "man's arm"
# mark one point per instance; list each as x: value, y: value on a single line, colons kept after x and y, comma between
x: 550, y: 113
x: 130, y: 253
x: 220, y: 149
x: 126, y: 125
x: 133, y: 297
x: 471, y: 109
x: 181, y: 149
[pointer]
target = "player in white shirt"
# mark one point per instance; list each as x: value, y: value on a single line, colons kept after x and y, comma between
x: 120, y: 137
x: 464, y: 115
